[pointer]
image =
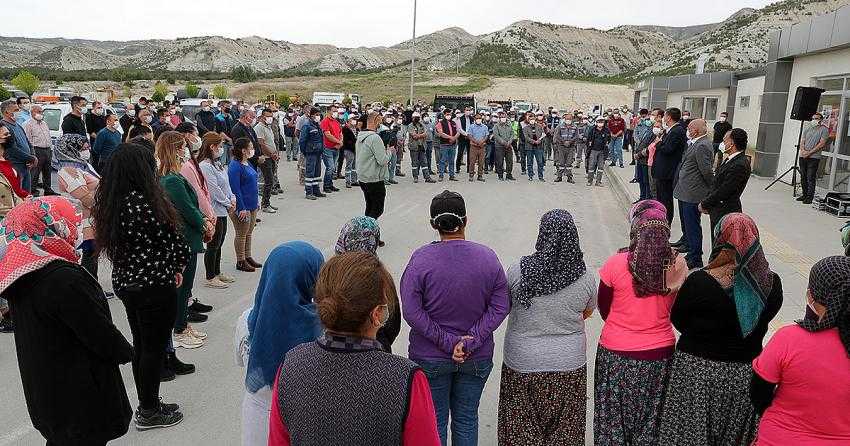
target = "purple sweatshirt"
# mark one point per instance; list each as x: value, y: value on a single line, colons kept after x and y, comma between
x: 452, y: 289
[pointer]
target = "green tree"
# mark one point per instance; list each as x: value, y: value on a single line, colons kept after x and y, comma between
x: 4, y: 93
x: 192, y: 90
x: 160, y: 90
x: 170, y: 80
x: 284, y: 100
x: 346, y: 101
x: 243, y: 74
x: 119, y: 75
x: 26, y: 82
x: 219, y: 91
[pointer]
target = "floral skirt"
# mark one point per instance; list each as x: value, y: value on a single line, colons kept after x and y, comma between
x: 708, y: 403
x: 627, y: 399
x: 544, y: 408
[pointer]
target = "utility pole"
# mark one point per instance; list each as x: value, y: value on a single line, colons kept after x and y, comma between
x: 413, y: 54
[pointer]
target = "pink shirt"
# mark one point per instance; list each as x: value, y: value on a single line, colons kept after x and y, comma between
x: 634, y: 323
x: 812, y: 401
x: 189, y: 172
x: 651, y: 153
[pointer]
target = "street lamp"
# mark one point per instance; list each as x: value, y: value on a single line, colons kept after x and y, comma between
x: 413, y: 54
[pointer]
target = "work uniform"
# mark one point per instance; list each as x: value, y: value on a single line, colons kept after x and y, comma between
x: 581, y: 143
x: 534, y: 151
x: 598, y: 140
x: 504, y: 138
x: 564, y: 146
x: 416, y: 133
x: 552, y: 123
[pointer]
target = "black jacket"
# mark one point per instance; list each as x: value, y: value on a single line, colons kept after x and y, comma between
x: 598, y: 139
x: 720, y: 129
x: 205, y: 121
x: 730, y: 180
x: 668, y: 153
x: 68, y: 355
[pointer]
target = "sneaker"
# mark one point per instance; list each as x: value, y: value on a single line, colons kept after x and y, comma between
x: 530, y: 178
x: 198, y: 307
x: 274, y: 207
x: 186, y: 340
x: 177, y: 367
x: 196, y: 317
x: 196, y: 333
x: 109, y: 294
x: 801, y: 198
x: 226, y: 279
x: 393, y: 182
x: 269, y: 210
x: 167, y: 407
x: 166, y: 374
x: 310, y: 197
x: 146, y: 420
x: 215, y: 283
x: 335, y: 189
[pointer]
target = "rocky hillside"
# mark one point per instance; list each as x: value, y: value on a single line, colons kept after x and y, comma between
x: 524, y: 48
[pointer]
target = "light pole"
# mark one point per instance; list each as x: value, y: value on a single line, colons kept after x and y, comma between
x: 413, y: 54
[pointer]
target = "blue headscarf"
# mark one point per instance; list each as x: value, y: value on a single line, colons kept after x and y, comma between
x: 284, y: 314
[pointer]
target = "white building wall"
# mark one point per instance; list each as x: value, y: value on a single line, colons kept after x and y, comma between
x: 748, y: 118
x: 806, y: 70
x: 674, y: 99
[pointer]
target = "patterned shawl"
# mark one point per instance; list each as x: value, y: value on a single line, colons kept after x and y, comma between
x: 650, y: 256
x: 35, y: 233
x: 829, y: 283
x: 636, y: 212
x: 557, y: 262
x: 753, y: 279
x: 359, y: 234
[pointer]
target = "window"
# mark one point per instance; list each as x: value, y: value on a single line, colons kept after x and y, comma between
x: 701, y: 107
x: 831, y: 84
x: 710, y: 109
x: 52, y: 117
x: 744, y: 102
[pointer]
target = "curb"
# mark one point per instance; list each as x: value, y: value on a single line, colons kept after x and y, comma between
x: 621, y: 190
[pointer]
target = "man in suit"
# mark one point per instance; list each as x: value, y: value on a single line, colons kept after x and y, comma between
x: 730, y: 180
x: 668, y: 156
x: 694, y: 182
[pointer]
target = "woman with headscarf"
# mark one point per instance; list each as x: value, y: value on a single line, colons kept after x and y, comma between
x: 637, y: 289
x: 362, y: 234
x: 801, y: 384
x: 68, y: 348
x: 722, y: 313
x: 283, y: 316
x: 78, y: 180
x: 10, y: 195
x: 543, y: 395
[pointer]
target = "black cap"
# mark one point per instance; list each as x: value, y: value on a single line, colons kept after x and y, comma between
x: 448, y: 211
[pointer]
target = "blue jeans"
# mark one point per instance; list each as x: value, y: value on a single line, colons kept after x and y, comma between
x: 691, y: 217
x: 24, y: 176
x: 456, y: 389
x: 429, y: 147
x: 642, y: 176
x: 312, y: 172
x: 391, y: 166
x: 489, y: 160
x: 531, y: 155
x: 447, y: 158
x: 329, y: 159
x: 615, y: 150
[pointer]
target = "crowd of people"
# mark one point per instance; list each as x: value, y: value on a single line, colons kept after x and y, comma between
x: 156, y: 194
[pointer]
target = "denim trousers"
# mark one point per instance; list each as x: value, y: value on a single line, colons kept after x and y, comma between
x: 447, y: 157
x: 690, y: 218
x: 456, y: 390
x: 329, y: 159
x: 642, y: 176
x: 24, y: 176
x: 616, y: 150
x: 391, y: 166
x: 531, y: 155
x: 429, y: 146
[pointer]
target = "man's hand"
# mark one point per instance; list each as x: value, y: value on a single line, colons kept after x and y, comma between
x: 702, y: 209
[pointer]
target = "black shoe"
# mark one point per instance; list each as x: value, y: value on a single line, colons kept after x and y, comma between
x: 334, y: 188
x: 807, y: 201
x: 327, y: 190
x: 156, y: 419
x: 452, y: 179
x: 400, y: 174
x: 166, y: 374
x: 633, y: 180
x: 177, y: 366
x: 393, y: 182
x: 381, y: 244
x: 320, y: 195
x: 198, y: 307
x: 196, y: 318
x: 511, y: 178
x: 632, y: 163
x: 6, y: 325
x: 429, y: 180
x: 612, y: 165
x: 558, y: 180
x: 167, y: 407
x: 801, y: 198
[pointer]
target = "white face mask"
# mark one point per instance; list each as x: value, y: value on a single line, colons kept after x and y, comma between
x: 38, y: 116
x: 196, y: 144
x: 85, y: 154
x: 722, y: 119
x: 185, y: 154
x: 97, y: 111
x: 216, y: 151
x: 27, y: 107
x: 131, y: 112
x: 205, y: 108
x: 269, y: 120
x: 317, y: 118
x: 148, y: 119
x: 657, y: 131
x: 334, y: 115
x: 503, y: 120
x: 478, y: 121
x: 568, y: 122
x: 532, y: 122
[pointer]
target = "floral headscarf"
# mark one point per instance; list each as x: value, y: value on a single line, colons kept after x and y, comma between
x: 35, y: 233
x: 753, y: 279
x: 650, y: 257
x: 68, y: 148
x: 829, y: 283
x: 359, y: 234
x: 557, y: 262
x: 637, y: 211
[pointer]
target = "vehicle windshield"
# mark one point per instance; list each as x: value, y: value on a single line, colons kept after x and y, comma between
x: 53, y: 117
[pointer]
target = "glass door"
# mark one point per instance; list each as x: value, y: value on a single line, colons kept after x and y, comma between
x: 830, y: 107
x: 841, y: 177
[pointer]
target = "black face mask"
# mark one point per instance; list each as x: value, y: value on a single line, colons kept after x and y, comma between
x: 415, y: 120
x: 226, y: 109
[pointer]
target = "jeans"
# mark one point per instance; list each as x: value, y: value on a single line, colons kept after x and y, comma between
x: 350, y: 167
x: 809, y: 176
x: 312, y: 173
x: 212, y: 256
x: 456, y: 390
x: 329, y: 157
x: 267, y: 169
x: 374, y: 194
x: 690, y: 218
x: 616, y: 151
x: 24, y: 176
x: 150, y: 313
x: 391, y: 166
x: 447, y: 156
x: 642, y: 176
x: 42, y: 169
x: 530, y: 156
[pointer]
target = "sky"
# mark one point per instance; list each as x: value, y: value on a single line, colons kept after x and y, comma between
x: 344, y: 23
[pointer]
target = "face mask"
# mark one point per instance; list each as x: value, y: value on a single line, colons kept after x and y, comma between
x: 216, y: 151
x: 38, y: 116
x: 726, y: 149
x: 448, y: 117
x: 386, y: 317
x: 532, y: 122
x: 178, y: 109
x: 317, y: 118
x: 568, y: 122
x: 503, y: 120
x: 686, y: 117
x: 196, y: 145
x: 722, y: 119
x: 98, y: 111
x: 148, y: 119
x: 616, y: 115
x: 131, y: 112
x: 811, y: 314
x: 85, y: 155
x: 599, y: 125
x: 268, y: 120
x: 478, y: 121
x: 657, y: 131
x: 689, y: 135
x: 205, y: 108
x: 468, y: 113
x: 185, y: 154
x: 334, y: 115
x: 27, y: 107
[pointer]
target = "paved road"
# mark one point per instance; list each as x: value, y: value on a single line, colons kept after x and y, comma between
x: 504, y: 216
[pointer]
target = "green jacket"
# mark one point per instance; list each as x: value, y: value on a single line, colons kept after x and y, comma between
x: 372, y: 157
x: 185, y: 201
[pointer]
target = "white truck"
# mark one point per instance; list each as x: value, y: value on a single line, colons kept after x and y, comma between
x: 324, y: 99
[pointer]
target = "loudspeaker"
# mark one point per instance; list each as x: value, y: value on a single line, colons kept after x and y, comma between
x: 805, y: 103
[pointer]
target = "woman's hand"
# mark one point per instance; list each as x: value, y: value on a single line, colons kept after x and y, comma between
x: 243, y: 215
x: 178, y: 279
x: 458, y: 355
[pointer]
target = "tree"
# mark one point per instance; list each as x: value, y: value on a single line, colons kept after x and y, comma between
x: 192, y: 90
x: 120, y: 75
x: 4, y: 93
x: 26, y: 82
x: 219, y: 91
x: 346, y: 101
x: 243, y: 74
x: 160, y: 90
x: 284, y: 100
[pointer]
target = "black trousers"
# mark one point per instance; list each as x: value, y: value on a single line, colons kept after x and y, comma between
x: 151, y: 312
x: 462, y: 147
x: 41, y: 171
x: 809, y: 176
x: 267, y: 169
x: 504, y: 158
x: 664, y: 189
x: 375, y: 194
x: 212, y: 256
x: 89, y: 262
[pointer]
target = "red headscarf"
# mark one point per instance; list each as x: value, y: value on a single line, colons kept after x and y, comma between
x: 35, y: 233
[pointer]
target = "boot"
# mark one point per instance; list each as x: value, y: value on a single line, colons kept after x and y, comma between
x: 589, y: 179
x: 481, y: 178
x: 177, y: 366
x: 560, y: 176
x: 253, y: 263
x: 599, y: 179
x: 570, y: 176
x: 471, y: 178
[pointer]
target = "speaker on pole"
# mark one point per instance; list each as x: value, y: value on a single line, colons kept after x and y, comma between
x: 805, y: 103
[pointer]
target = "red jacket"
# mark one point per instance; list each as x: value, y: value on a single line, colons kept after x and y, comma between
x: 11, y: 174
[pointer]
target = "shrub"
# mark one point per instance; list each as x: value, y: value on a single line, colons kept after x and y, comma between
x: 4, y: 93
x: 170, y: 80
x: 26, y: 82
x: 219, y: 91
x: 243, y: 74
x: 160, y: 90
x: 192, y: 90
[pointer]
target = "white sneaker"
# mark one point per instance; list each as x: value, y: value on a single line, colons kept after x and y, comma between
x: 186, y: 340
x: 225, y: 278
x: 215, y: 283
x: 197, y: 334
